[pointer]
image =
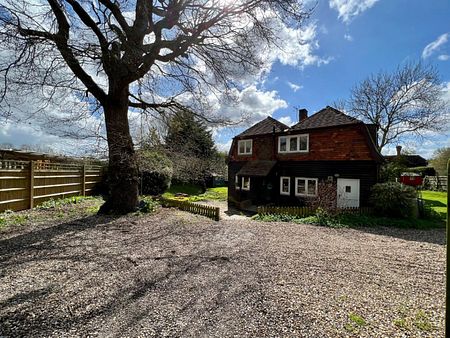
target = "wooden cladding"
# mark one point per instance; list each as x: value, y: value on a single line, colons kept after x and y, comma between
x: 26, y: 184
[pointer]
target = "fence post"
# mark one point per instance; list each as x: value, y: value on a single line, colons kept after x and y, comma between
x: 217, y: 214
x: 83, y: 181
x: 31, y: 184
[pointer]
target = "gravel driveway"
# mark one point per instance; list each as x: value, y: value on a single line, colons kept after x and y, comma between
x: 178, y: 275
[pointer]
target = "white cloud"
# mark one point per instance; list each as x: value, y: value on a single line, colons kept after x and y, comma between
x: 435, y: 45
x: 224, y: 146
x: 287, y: 120
x: 348, y: 9
x: 444, y: 57
x: 294, y: 87
x: 348, y: 37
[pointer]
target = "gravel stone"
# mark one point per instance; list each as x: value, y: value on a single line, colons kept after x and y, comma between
x: 174, y: 274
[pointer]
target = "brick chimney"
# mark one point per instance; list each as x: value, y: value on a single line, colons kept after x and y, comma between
x: 399, y: 150
x: 302, y: 115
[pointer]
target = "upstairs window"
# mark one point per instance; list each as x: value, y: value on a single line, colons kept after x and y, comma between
x: 245, y: 147
x: 305, y: 186
x: 285, y: 185
x: 293, y: 144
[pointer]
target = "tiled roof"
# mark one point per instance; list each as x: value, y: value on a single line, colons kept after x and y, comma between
x: 327, y: 117
x: 256, y: 168
x: 265, y: 126
x: 409, y: 160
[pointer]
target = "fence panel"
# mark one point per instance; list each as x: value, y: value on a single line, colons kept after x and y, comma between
x: 306, y: 211
x: 436, y: 182
x: 25, y: 184
x: 194, y: 208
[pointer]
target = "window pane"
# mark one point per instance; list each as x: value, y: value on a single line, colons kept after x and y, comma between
x: 241, y: 147
x: 311, y: 187
x: 301, y: 189
x: 246, y: 183
x: 285, y: 185
x: 293, y: 144
x: 248, y: 147
x: 303, y: 142
x: 283, y: 143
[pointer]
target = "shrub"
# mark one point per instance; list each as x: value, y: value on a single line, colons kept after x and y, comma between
x: 148, y: 205
x: 394, y: 199
x: 156, y: 172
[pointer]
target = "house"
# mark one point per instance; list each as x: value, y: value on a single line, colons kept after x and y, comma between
x: 271, y: 163
x: 407, y: 160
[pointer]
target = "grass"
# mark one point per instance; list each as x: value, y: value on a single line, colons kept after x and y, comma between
x: 195, y: 194
x: 437, y: 201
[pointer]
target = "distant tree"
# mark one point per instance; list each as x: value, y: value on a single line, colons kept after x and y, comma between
x: 189, y: 144
x: 407, y: 101
x: 138, y: 54
x: 440, y: 160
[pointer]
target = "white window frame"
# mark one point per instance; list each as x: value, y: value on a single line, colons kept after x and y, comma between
x: 288, y: 142
x: 236, y: 183
x: 242, y: 183
x: 306, y: 186
x: 245, y: 147
x: 281, y: 185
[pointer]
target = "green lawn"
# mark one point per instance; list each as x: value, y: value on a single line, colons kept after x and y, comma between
x: 195, y: 194
x: 437, y: 201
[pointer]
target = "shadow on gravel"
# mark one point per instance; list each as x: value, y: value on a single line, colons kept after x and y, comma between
x: 433, y: 236
x: 44, y: 239
x: 104, y: 277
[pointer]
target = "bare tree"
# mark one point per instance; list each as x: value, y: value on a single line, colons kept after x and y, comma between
x: 121, y: 55
x: 408, y: 101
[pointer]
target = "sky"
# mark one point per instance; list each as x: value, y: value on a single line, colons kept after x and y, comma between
x: 354, y: 39
x: 344, y: 42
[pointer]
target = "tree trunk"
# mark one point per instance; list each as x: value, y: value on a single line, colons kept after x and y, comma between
x: 123, y: 170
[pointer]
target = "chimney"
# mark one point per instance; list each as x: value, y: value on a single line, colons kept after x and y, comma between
x: 399, y: 150
x: 302, y: 115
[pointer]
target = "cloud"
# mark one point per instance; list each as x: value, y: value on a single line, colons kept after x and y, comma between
x: 444, y: 57
x: 287, y: 120
x: 294, y: 87
x: 348, y: 9
x: 435, y: 45
x: 348, y: 37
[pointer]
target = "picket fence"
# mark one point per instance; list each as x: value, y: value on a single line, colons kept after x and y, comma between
x: 306, y: 211
x: 26, y: 184
x: 194, y: 208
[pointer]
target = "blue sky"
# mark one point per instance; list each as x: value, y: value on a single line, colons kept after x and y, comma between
x: 380, y: 35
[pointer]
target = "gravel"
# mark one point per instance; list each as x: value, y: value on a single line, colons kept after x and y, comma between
x: 174, y: 274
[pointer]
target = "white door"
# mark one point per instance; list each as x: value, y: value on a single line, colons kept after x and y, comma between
x: 347, y: 193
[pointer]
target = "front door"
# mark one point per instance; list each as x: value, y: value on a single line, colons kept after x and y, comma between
x: 347, y: 193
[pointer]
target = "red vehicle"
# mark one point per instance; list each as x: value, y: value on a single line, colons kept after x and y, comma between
x: 411, y: 179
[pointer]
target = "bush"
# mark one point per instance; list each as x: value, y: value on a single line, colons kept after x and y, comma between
x: 156, y: 172
x: 394, y: 199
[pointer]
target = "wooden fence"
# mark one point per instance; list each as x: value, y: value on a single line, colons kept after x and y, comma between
x: 26, y: 184
x: 436, y: 182
x: 307, y: 211
x: 204, y: 210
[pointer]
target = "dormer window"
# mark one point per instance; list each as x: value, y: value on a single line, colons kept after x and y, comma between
x: 245, y: 147
x: 293, y: 144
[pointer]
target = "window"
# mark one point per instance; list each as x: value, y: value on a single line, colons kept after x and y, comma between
x: 305, y: 186
x: 293, y: 144
x: 245, y: 183
x: 236, y: 183
x: 245, y: 147
x: 285, y: 185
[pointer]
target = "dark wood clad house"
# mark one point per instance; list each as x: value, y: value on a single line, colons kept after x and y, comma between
x: 271, y: 163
